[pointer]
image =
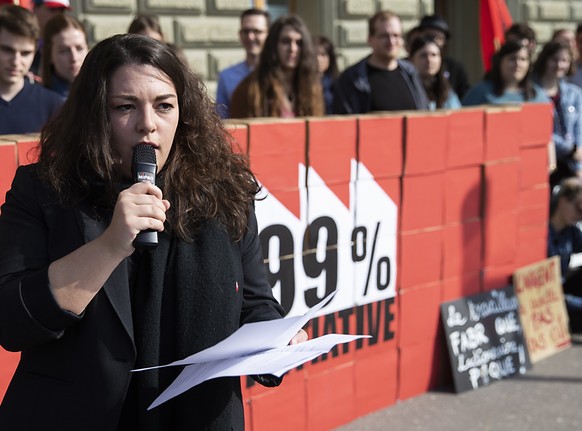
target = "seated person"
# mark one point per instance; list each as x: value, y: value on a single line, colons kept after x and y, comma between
x: 564, y: 239
x: 24, y: 105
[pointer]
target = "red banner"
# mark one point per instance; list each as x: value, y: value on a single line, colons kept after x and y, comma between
x: 494, y: 19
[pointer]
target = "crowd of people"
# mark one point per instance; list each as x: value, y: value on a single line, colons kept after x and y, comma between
x: 41, y: 53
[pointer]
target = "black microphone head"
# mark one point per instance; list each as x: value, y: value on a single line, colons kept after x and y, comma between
x: 143, y: 164
x: 144, y: 154
x: 144, y: 168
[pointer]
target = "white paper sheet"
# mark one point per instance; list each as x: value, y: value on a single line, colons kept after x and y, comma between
x: 256, y: 348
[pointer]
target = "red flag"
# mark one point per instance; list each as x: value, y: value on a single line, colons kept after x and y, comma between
x: 494, y: 19
x: 24, y: 3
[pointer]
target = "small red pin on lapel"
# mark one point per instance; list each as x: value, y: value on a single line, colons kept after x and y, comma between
x: 236, y: 286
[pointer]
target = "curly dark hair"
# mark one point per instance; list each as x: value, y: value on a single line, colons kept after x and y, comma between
x: 204, y: 177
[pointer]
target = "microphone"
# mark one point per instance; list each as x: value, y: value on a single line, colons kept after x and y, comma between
x: 144, y: 168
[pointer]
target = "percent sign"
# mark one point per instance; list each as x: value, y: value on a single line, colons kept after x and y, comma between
x: 360, y: 252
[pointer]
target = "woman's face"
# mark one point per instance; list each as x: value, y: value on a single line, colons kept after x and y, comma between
x: 514, y: 67
x: 69, y: 48
x: 143, y: 109
x: 428, y: 60
x: 322, y: 59
x: 571, y: 210
x: 558, y: 64
x: 289, y: 47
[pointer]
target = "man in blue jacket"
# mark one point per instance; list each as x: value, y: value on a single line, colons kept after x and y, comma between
x: 381, y: 81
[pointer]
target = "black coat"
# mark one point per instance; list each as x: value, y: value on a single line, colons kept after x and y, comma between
x: 74, y: 371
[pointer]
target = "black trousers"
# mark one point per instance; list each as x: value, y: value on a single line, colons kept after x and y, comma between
x: 573, y: 286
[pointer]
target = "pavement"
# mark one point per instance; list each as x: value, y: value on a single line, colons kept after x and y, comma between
x: 547, y: 398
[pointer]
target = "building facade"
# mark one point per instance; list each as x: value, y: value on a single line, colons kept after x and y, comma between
x: 207, y: 30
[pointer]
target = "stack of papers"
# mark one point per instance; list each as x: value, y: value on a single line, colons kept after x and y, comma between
x: 256, y: 348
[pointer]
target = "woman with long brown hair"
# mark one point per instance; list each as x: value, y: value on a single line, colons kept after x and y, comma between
x: 64, y: 49
x: 286, y: 82
x: 80, y: 300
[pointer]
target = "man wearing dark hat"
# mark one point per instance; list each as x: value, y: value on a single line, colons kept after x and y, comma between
x: 435, y: 27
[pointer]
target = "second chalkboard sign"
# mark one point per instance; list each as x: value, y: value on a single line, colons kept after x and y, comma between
x: 484, y: 338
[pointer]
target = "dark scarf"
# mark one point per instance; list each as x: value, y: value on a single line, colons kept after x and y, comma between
x: 183, y: 301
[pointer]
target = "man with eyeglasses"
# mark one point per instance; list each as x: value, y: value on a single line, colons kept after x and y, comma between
x: 382, y: 81
x: 254, y: 26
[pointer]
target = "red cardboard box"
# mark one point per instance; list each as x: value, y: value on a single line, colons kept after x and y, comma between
x: 500, y: 239
x: 419, y: 313
x: 536, y: 124
x: 534, y: 166
x: 422, y: 201
x: 380, y: 144
x: 420, y: 259
x: 532, y: 244
x: 466, y: 132
x: 462, y: 248
x: 498, y: 276
x: 426, y: 141
x: 501, y: 187
x: 27, y: 150
x: 284, y: 406
x: 8, y: 363
x: 502, y: 133
x: 535, y: 196
x: 459, y: 286
x: 330, y: 398
x: 393, y: 188
x: 420, y: 368
x: 276, y: 149
x: 381, y: 320
x: 463, y: 194
x: 376, y: 381
x: 533, y: 215
x: 534, y: 205
x: 331, y: 146
x: 8, y: 167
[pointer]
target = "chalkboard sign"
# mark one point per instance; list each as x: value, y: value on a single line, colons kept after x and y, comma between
x: 484, y: 338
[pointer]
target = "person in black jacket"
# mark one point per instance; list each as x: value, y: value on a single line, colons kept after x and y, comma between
x: 381, y: 81
x: 80, y: 303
